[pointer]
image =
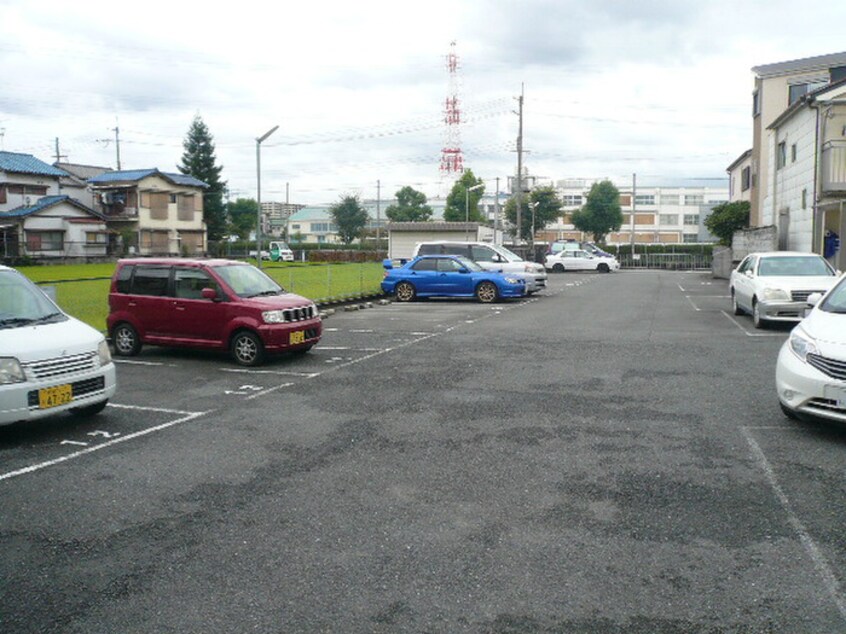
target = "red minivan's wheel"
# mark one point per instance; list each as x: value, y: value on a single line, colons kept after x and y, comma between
x: 246, y: 348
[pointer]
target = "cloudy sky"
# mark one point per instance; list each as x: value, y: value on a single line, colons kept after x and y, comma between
x: 661, y: 88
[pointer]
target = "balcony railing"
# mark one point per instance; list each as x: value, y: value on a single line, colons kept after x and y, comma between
x: 118, y: 212
x: 834, y: 167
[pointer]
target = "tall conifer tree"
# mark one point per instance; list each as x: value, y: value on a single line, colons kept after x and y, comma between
x: 199, y: 161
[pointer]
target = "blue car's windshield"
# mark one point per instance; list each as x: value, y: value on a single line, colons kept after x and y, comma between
x: 468, y: 263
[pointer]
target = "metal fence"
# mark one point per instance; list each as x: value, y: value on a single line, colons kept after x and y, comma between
x: 665, y: 261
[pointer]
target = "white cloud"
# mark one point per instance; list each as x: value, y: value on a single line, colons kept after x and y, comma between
x: 661, y: 87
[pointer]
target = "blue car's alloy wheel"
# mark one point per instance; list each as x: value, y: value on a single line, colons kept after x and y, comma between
x: 405, y: 292
x: 486, y: 292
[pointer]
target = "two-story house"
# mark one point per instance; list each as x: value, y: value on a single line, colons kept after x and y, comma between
x: 807, y: 173
x: 38, y: 219
x: 152, y: 212
x: 24, y: 179
x: 777, y: 87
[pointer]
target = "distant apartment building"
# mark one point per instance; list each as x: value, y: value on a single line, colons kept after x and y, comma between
x: 276, y: 215
x: 654, y: 215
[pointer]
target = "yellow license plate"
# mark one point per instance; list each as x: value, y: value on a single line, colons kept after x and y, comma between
x: 55, y: 396
x: 297, y: 337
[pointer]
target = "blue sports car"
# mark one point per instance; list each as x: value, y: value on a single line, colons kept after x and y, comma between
x: 449, y: 276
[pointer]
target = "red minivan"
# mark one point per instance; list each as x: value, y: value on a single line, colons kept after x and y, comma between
x: 217, y: 304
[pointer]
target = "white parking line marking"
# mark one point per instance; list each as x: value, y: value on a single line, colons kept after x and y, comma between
x: 268, y: 391
x: 747, y: 333
x: 687, y: 297
x: 820, y: 562
x: 681, y: 288
x: 150, y: 363
x: 88, y: 450
x: 362, y: 330
x: 335, y: 348
x: 306, y: 375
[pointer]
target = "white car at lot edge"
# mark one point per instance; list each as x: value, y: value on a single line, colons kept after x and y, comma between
x: 579, y: 260
x: 811, y: 366
x: 774, y: 286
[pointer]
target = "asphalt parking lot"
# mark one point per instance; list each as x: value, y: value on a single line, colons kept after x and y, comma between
x: 606, y: 456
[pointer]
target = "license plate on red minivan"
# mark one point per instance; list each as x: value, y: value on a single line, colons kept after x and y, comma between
x: 296, y: 337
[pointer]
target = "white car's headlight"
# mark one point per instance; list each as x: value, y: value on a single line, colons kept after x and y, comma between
x: 514, y: 280
x: 802, y: 344
x: 273, y: 317
x: 11, y: 371
x: 775, y: 294
x: 104, y: 353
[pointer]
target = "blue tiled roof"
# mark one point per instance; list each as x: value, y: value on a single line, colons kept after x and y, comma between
x: 44, y: 203
x: 27, y: 164
x: 137, y: 175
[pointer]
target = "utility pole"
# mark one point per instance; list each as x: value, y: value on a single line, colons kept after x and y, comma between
x: 117, y: 144
x: 520, y: 163
x: 496, y: 212
x: 378, y: 211
x: 634, y: 207
x: 59, y: 157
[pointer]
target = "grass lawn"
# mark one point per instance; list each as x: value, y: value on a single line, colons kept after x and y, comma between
x: 82, y: 290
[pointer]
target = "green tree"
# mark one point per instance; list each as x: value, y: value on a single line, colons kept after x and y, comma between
x: 411, y: 207
x: 601, y: 213
x: 727, y: 218
x: 457, y: 199
x: 350, y: 218
x: 242, y: 217
x: 543, y: 201
x: 199, y: 161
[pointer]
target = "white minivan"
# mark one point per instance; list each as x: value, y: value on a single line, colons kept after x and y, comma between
x: 49, y: 361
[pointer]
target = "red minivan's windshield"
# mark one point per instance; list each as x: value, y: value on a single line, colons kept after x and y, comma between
x: 247, y: 281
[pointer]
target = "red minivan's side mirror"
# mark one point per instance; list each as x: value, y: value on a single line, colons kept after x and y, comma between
x: 209, y: 293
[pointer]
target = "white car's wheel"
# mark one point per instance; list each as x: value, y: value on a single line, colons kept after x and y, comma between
x: 735, y: 308
x: 757, y: 319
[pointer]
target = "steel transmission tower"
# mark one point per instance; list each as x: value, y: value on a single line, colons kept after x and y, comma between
x: 452, y: 160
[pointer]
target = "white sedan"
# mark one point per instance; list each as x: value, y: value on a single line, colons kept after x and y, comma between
x: 774, y: 286
x: 579, y: 260
x: 811, y: 367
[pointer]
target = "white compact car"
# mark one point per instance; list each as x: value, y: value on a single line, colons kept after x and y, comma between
x: 49, y: 361
x: 811, y: 366
x: 774, y: 286
x: 579, y: 260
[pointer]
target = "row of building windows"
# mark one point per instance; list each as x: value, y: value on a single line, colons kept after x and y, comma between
x: 575, y: 200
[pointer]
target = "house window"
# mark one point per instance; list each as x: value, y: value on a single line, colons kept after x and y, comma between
x: 158, y: 206
x: 781, y: 155
x: 746, y: 178
x: 756, y: 104
x: 669, y: 199
x: 668, y: 219
x: 572, y: 200
x: 687, y: 238
x: 173, y: 198
x: 295, y: 227
x: 691, y: 219
x: 644, y: 199
x: 95, y: 237
x: 804, y: 199
x: 694, y: 199
x: 797, y: 91
x: 793, y: 153
x: 185, y: 207
x: 45, y: 240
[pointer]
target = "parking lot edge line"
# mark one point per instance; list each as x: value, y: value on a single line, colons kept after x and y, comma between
x: 743, y: 330
x: 819, y: 560
x: 268, y: 391
x: 88, y: 450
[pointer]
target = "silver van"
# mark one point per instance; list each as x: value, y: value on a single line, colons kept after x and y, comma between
x: 49, y: 361
x: 492, y: 257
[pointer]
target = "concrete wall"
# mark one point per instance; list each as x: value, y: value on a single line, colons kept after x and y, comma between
x: 748, y: 241
x: 721, y: 263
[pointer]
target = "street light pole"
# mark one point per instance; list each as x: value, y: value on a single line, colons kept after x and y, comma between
x: 258, y: 190
x: 467, y: 207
